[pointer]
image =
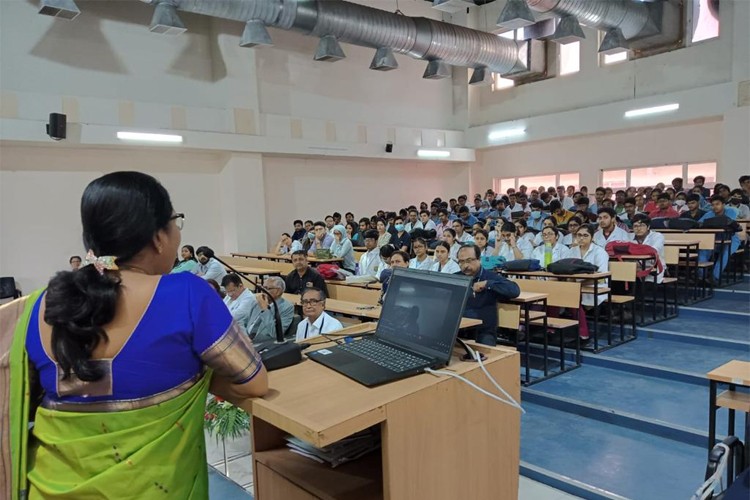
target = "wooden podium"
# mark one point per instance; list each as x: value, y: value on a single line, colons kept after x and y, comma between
x: 441, y: 439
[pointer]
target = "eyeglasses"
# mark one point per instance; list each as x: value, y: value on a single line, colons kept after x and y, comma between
x: 179, y: 220
x: 311, y: 302
x: 583, y: 235
x: 638, y: 224
x: 466, y: 261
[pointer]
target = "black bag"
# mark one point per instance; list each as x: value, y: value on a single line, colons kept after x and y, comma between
x: 721, y: 222
x: 682, y: 224
x: 427, y: 234
x: 659, y: 223
x: 572, y: 266
x: 521, y: 265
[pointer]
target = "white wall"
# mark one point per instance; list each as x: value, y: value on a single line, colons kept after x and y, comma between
x: 313, y: 188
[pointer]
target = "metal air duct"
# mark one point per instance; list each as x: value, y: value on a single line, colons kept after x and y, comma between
x: 342, y: 21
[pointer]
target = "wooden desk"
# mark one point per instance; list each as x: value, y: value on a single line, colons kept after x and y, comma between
x: 641, y: 291
x: 440, y: 438
x: 257, y: 271
x: 735, y: 373
x: 285, y: 258
x: 683, y: 254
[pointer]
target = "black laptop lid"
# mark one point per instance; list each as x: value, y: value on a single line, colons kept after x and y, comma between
x: 423, y: 310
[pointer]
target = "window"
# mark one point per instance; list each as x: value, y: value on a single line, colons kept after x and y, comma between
x: 535, y: 181
x: 615, y: 58
x: 707, y: 170
x: 651, y: 176
x: 705, y: 20
x: 614, y: 179
x: 502, y: 185
x: 572, y: 179
x: 569, y: 58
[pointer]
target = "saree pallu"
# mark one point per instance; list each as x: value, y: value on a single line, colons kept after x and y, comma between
x: 153, y: 452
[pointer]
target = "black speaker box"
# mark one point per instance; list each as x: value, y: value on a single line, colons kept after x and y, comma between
x: 57, y: 126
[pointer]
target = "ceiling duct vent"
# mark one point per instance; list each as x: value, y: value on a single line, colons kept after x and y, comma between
x: 66, y: 9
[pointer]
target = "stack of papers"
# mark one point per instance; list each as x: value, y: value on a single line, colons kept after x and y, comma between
x: 340, y: 452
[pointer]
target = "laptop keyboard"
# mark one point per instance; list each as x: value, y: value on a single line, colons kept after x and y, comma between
x: 385, y: 356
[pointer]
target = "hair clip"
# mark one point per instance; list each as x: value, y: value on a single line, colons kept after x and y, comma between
x: 100, y: 263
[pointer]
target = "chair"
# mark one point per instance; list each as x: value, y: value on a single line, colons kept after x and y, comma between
x: 291, y: 332
x: 624, y: 272
x: 8, y: 288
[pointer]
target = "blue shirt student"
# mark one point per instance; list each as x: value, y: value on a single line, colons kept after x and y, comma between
x: 482, y: 304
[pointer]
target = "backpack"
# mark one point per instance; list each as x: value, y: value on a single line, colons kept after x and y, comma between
x: 721, y: 222
x: 572, y: 266
x: 616, y: 249
x: 682, y: 224
x: 328, y: 271
x: 660, y: 223
x: 522, y: 265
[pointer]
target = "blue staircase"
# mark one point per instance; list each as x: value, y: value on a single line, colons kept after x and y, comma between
x: 632, y: 422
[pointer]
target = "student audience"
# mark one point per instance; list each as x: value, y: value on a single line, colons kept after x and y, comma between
x: 551, y: 250
x: 287, y: 245
x: 384, y: 237
x: 241, y: 302
x: 188, y: 264
x: 342, y: 248
x: 264, y: 328
x: 321, y: 239
x: 608, y: 230
x: 643, y: 235
x: 510, y: 246
x: 443, y: 262
x: 421, y: 259
x: 369, y: 262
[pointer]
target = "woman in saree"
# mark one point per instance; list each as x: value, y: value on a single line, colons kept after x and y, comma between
x: 122, y: 354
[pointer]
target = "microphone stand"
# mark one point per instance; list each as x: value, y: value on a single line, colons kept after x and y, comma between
x: 278, y: 353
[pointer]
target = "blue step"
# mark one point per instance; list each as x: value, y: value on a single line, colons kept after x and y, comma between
x: 710, y: 323
x: 622, y: 461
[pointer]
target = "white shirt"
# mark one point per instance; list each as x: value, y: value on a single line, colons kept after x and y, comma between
x: 324, y: 324
x: 212, y: 270
x: 449, y: 268
x: 518, y: 208
x: 568, y: 203
x: 465, y: 238
x: 420, y: 225
x: 369, y: 262
x: 595, y: 255
x: 504, y: 250
x: 244, y: 309
x: 538, y: 238
x: 296, y: 245
x: 616, y: 235
x: 656, y: 241
x: 454, y: 250
x: 425, y: 265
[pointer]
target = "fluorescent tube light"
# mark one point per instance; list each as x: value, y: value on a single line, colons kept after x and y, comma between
x: 433, y: 153
x: 505, y: 134
x: 634, y: 113
x: 142, y: 136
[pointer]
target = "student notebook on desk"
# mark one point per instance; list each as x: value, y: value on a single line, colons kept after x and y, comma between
x: 417, y: 329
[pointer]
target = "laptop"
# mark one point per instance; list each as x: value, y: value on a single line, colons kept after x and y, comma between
x: 417, y: 329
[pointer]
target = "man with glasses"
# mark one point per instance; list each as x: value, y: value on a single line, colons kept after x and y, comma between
x: 487, y: 288
x: 316, y: 321
x: 643, y: 235
x: 265, y: 326
x: 303, y: 275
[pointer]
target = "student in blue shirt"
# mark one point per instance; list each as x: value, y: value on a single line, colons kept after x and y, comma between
x: 487, y: 288
x: 719, y: 209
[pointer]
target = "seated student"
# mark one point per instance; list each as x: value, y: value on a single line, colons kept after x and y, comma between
x: 608, y: 230
x: 352, y: 232
x: 653, y: 201
x: 443, y: 223
x: 593, y: 254
x: 342, y: 248
x: 421, y: 260
x: 264, y: 327
x: 720, y: 209
x: 411, y: 224
x: 461, y: 235
x: 303, y: 275
x: 548, y: 222
x: 287, y: 245
x: 551, y: 250
x: 322, y: 239
x: 401, y: 240
x: 424, y: 222
x: 329, y: 222
x: 188, y: 264
x: 523, y: 233
x: 443, y: 261
x: 643, y: 235
x: 536, y: 216
x: 299, y: 231
x: 240, y: 301
x: 364, y: 225
x: 693, y: 208
x: 488, y: 288
x: 465, y: 216
x: 449, y: 237
x: 316, y: 321
x: 481, y: 240
x: 397, y: 259
x: 664, y: 208
x: 680, y: 202
x: 217, y: 287
x: 569, y: 239
x: 385, y: 260
x: 738, y: 201
x: 511, y: 248
x: 384, y: 237
x: 582, y: 209
x: 561, y: 215
x: 630, y: 210
x: 370, y: 260
x: 209, y: 268
x: 75, y: 262
x: 600, y: 194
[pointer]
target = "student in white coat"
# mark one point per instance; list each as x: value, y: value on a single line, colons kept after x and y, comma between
x: 241, y: 302
x: 317, y: 320
x: 443, y: 261
x: 421, y: 260
x: 643, y: 235
x: 591, y: 253
x: 608, y: 230
x: 509, y: 246
x: 551, y: 250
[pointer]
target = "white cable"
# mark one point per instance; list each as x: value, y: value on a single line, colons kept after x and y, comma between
x: 515, y: 403
x: 708, y: 487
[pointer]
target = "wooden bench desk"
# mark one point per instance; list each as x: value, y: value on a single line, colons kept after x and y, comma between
x: 683, y: 254
x: 257, y: 271
x: 642, y: 260
x: 735, y: 373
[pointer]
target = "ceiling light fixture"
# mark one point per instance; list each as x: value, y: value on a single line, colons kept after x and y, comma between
x: 145, y: 137
x: 635, y: 113
x: 433, y: 153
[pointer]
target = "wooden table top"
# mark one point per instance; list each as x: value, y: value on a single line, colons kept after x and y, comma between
x: 525, y: 297
x: 679, y: 243
x: 547, y: 274
x: 734, y: 372
x: 260, y: 271
x: 285, y: 258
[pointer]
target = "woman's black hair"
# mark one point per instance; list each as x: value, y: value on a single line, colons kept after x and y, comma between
x: 120, y: 214
x: 192, y: 252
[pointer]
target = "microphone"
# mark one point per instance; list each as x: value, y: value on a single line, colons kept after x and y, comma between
x: 278, y: 353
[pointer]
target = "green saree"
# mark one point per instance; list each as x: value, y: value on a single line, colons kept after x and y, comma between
x: 153, y: 452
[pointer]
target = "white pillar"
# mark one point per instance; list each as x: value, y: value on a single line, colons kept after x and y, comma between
x: 243, y: 204
x: 735, y: 147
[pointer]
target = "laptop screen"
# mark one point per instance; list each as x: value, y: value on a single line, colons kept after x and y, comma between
x: 422, y: 311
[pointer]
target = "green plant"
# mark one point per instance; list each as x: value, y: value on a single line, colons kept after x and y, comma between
x: 224, y: 420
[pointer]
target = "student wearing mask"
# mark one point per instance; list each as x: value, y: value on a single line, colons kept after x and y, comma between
x: 536, y: 216
x: 488, y: 288
x: 511, y: 248
x: 693, y: 208
x: 321, y: 240
x: 551, y: 250
x: 737, y: 200
x: 643, y: 235
x: 342, y: 248
x: 384, y: 237
x: 303, y: 276
x: 286, y: 245
x: 264, y: 327
x: 401, y: 240
x: 461, y: 236
x: 316, y: 321
x: 421, y: 259
x: 449, y: 237
x: 240, y: 302
x: 188, y: 264
x: 209, y: 268
x: 370, y: 260
x: 443, y: 261
x: 664, y: 208
x: 608, y: 230
x: 569, y: 239
x: 680, y: 203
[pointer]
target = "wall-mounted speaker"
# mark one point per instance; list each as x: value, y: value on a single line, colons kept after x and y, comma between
x: 389, y: 147
x: 57, y: 126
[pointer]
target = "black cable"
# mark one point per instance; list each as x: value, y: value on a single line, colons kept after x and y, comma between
x: 468, y: 356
